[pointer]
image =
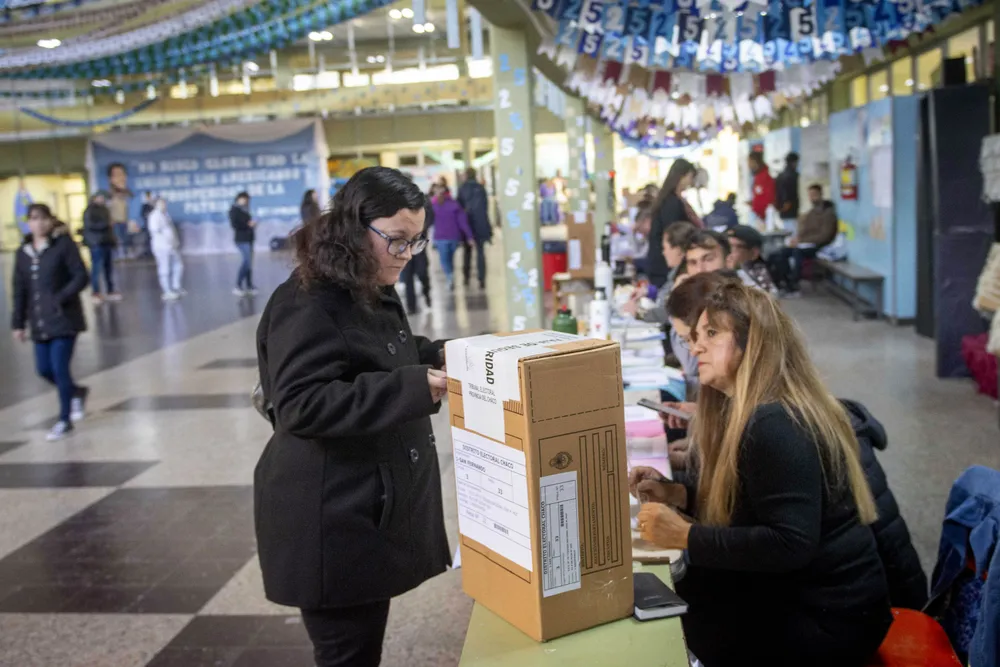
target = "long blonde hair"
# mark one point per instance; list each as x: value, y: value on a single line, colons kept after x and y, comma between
x: 775, y: 368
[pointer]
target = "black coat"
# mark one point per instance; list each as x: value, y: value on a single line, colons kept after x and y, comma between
x: 239, y: 220
x: 903, y: 572
x: 473, y: 198
x: 672, y: 210
x: 47, y: 288
x: 97, y: 229
x: 786, y: 191
x: 347, y: 494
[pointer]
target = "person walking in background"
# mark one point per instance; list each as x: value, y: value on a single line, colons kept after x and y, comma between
x: 451, y: 228
x: 723, y: 215
x: 148, y: 204
x: 48, y: 278
x: 243, y: 234
x: 119, y: 200
x: 99, y: 237
x: 763, y: 188
x: 669, y: 207
x: 309, y: 209
x: 166, y: 249
x: 786, y: 192
x: 475, y: 202
x: 417, y: 268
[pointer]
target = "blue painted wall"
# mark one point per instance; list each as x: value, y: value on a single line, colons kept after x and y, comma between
x: 880, y: 139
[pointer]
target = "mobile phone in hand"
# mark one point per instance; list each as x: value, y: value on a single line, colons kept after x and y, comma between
x: 664, y: 409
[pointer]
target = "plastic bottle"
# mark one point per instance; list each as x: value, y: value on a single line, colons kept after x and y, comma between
x: 603, y: 276
x: 600, y: 315
x: 564, y: 322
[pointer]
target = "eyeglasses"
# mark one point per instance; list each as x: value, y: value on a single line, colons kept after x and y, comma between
x: 397, y: 247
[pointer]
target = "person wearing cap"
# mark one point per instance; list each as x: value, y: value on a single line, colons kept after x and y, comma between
x: 786, y: 196
x: 746, y: 244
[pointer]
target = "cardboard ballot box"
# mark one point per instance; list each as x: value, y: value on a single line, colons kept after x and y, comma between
x: 538, y: 425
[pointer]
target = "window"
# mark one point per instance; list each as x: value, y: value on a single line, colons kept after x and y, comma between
x: 321, y: 81
x: 902, y: 77
x: 929, y: 69
x: 880, y: 84
x: 859, y: 91
x: 966, y: 45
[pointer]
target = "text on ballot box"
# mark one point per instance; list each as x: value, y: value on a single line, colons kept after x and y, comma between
x: 492, y: 490
x: 560, y: 534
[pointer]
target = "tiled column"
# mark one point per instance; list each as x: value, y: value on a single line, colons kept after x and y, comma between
x: 605, y: 208
x: 576, y: 139
x: 516, y: 189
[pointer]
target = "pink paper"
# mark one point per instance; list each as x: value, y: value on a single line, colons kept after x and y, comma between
x: 650, y: 428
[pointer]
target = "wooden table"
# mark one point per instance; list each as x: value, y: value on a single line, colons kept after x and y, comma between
x: 492, y: 642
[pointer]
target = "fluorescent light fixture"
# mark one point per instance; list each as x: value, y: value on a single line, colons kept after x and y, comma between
x: 49, y: 43
x: 418, y: 28
x: 100, y: 83
x: 428, y: 27
x: 320, y: 81
x: 326, y: 35
x: 380, y: 58
x: 416, y: 75
x: 395, y: 14
x: 909, y: 82
x: 407, y: 13
x: 350, y: 80
x: 315, y: 36
x: 251, y: 66
x: 480, y: 68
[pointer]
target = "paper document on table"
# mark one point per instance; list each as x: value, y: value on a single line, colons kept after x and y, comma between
x: 651, y: 377
x: 560, y: 528
x: 637, y: 413
x: 492, y: 489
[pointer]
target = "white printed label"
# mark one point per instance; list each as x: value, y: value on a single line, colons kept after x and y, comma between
x: 560, y: 534
x: 492, y: 496
x: 574, y: 258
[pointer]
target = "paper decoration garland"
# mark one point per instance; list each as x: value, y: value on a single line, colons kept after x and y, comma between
x: 108, y: 120
x: 212, y: 43
x: 737, y: 36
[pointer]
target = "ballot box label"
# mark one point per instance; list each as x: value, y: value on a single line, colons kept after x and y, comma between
x: 560, y: 528
x: 492, y: 490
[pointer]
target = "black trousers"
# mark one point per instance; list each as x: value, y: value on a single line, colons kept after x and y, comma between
x: 348, y: 637
x: 480, y: 262
x: 786, y: 266
x: 417, y: 268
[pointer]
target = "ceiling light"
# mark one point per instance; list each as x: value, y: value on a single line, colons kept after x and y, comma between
x: 371, y: 59
x: 884, y: 88
x: 804, y: 122
x: 763, y: 13
x: 49, y: 43
x: 380, y: 59
x: 251, y: 66
x: 395, y: 14
x: 418, y: 28
x: 407, y: 13
x: 326, y: 35
x: 428, y: 27
x: 909, y: 82
x: 315, y: 36
x: 100, y: 83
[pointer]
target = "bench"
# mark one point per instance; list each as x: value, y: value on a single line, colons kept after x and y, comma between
x: 855, y: 276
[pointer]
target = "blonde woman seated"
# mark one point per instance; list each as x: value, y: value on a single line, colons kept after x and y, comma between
x: 783, y: 569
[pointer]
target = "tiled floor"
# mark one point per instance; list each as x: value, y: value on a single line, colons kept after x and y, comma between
x: 131, y: 543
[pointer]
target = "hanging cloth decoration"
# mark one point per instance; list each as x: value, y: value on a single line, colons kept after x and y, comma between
x: 90, y: 122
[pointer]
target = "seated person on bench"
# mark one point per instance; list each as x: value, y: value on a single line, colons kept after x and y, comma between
x: 816, y: 228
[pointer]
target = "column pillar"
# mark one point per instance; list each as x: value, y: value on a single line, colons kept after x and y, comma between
x: 467, y: 154
x: 605, y: 206
x: 516, y: 189
x: 576, y: 139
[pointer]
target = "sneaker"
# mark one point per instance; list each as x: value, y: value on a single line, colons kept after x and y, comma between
x: 114, y: 296
x: 252, y: 291
x: 98, y: 299
x: 59, y: 431
x: 170, y: 296
x: 78, y: 404
x: 239, y: 292
x: 181, y: 292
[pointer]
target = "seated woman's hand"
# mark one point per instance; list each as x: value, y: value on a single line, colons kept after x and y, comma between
x: 676, y: 422
x: 660, y: 525
x: 649, y: 485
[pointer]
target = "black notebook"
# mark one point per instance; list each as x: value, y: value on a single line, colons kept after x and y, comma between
x: 654, y: 599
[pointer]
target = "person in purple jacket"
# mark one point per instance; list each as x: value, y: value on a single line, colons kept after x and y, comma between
x: 451, y: 228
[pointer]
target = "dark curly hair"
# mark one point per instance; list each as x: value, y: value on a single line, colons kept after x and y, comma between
x: 335, y: 248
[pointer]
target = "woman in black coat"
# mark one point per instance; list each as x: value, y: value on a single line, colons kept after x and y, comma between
x: 244, y: 236
x: 48, y: 278
x: 347, y: 492
x: 669, y: 207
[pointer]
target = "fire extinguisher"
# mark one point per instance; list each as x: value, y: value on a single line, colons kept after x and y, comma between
x: 848, y: 179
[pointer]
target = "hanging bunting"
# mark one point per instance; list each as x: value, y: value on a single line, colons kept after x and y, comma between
x: 93, y: 122
x: 727, y: 36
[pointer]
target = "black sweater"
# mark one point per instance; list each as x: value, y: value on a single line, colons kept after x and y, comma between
x: 795, y: 569
x: 240, y: 219
x: 672, y: 210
